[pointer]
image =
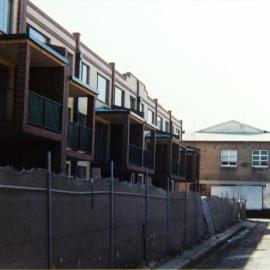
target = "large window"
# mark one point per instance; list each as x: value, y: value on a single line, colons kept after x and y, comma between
x: 4, y: 15
x: 260, y: 158
x: 102, y: 87
x: 160, y: 123
x: 141, y: 107
x: 119, y: 97
x: 70, y: 62
x: 85, y: 73
x: 167, y: 126
x: 150, y: 117
x: 132, y: 103
x: 228, y: 158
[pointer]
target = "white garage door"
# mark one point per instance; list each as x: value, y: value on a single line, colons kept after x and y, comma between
x: 252, y: 193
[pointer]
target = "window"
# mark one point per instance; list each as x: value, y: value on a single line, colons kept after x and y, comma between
x: 228, y: 158
x: 35, y: 34
x: 160, y: 123
x: 119, y: 97
x: 132, y: 103
x: 70, y: 62
x: 102, y: 87
x: 141, y: 107
x: 85, y: 70
x: 260, y: 158
x: 150, y: 116
x: 167, y: 126
x: 4, y: 15
x: 177, y: 132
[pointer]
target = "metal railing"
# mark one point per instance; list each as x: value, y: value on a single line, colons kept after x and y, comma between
x: 44, y: 112
x: 148, y: 159
x: 135, y: 155
x: 79, y: 137
x: 175, y: 168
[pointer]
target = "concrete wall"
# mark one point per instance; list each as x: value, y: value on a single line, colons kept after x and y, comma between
x: 147, y: 224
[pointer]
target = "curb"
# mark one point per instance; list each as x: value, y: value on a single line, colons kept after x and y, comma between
x: 192, y: 256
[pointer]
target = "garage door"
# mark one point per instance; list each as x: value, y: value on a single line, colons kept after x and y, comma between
x: 252, y: 193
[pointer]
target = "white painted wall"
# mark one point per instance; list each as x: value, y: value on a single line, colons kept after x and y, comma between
x: 253, y: 194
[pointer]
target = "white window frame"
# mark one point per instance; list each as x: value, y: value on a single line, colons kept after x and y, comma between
x: 259, y: 155
x: 229, y: 158
x: 150, y: 112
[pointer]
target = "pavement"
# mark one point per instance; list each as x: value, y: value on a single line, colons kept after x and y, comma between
x: 193, y: 256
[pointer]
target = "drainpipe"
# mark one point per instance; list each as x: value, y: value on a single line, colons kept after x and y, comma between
x: 21, y: 19
x: 113, y: 83
x: 78, y: 55
x: 181, y: 131
x: 138, y: 101
x: 170, y: 120
x: 156, y: 110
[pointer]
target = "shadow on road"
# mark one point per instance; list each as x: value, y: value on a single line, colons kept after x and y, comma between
x: 239, y: 250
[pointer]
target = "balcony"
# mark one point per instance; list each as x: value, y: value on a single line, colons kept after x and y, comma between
x: 140, y: 157
x: 79, y: 137
x: 178, y: 169
x: 135, y: 155
x: 44, y: 112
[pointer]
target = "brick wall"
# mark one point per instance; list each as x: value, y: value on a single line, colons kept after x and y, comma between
x: 47, y: 81
x: 210, y: 168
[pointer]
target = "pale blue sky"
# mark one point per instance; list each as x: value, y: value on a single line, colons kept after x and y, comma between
x: 207, y: 61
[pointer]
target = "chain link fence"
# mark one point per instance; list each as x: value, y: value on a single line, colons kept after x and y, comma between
x: 73, y: 223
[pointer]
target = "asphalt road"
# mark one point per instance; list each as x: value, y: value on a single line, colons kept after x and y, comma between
x: 250, y: 249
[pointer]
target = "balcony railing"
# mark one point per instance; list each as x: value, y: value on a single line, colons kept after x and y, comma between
x: 178, y: 169
x: 79, y: 137
x: 148, y: 159
x: 135, y: 155
x: 44, y: 112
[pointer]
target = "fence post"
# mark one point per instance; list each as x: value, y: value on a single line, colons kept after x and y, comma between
x: 111, y: 215
x: 49, y: 210
x: 167, y: 213
x: 146, y: 217
x: 185, y: 210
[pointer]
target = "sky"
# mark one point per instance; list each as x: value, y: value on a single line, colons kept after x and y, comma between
x: 207, y: 61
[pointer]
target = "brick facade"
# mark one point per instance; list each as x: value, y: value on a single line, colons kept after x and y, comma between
x: 210, y: 168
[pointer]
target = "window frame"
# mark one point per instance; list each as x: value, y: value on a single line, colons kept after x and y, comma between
x: 161, y: 120
x: 47, y: 40
x: 130, y: 98
x: 122, y: 96
x: 259, y: 155
x: 106, y: 101
x: 167, y: 126
x: 9, y: 15
x: 82, y: 64
x: 153, y: 116
x: 229, y: 156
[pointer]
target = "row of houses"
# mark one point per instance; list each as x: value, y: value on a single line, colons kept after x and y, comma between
x: 57, y: 95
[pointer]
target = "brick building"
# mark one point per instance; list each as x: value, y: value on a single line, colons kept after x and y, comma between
x: 57, y: 95
x: 234, y: 162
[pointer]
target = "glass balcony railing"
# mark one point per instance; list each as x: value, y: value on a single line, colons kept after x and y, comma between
x: 44, y: 112
x: 148, y: 159
x: 79, y: 137
x: 178, y: 169
x: 135, y: 155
